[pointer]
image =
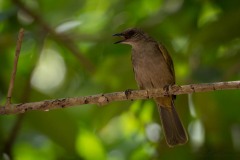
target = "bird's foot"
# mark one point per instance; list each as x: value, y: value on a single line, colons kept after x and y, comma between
x: 166, y: 89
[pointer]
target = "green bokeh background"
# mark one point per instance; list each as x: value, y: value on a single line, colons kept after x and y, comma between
x: 202, y: 37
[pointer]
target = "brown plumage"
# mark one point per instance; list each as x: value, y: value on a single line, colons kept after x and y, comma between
x: 153, y: 68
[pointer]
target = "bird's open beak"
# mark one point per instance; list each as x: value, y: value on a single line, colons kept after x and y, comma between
x: 120, y: 35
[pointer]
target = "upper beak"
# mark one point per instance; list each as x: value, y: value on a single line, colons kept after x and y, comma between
x: 119, y: 35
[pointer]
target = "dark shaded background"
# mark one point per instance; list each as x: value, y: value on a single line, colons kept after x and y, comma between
x: 68, y: 51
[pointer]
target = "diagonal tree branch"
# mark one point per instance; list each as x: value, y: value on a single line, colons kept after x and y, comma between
x: 60, y: 38
x: 103, y: 99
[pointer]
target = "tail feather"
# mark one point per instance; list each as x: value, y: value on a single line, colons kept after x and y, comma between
x: 173, y: 129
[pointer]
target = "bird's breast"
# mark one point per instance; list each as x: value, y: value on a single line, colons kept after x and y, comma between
x: 150, y: 68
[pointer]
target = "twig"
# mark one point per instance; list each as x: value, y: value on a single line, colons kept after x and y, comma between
x: 102, y: 99
x: 17, y: 52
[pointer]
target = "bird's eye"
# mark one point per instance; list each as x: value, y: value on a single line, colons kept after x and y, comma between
x: 130, y: 34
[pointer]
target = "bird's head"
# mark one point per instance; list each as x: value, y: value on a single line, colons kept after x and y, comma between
x: 131, y: 36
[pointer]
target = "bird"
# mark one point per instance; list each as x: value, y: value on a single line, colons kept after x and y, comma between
x: 153, y: 68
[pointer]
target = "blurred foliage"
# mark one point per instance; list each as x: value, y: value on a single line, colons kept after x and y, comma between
x: 202, y: 37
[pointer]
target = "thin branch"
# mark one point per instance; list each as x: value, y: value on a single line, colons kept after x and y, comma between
x: 61, y: 38
x: 17, y: 52
x: 103, y: 99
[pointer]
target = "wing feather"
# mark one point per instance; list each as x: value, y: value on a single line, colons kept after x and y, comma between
x: 167, y: 59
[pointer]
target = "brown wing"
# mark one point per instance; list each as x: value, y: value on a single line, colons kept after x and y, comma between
x: 167, y: 58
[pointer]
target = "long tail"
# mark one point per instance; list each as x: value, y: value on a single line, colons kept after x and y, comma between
x: 172, y: 126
